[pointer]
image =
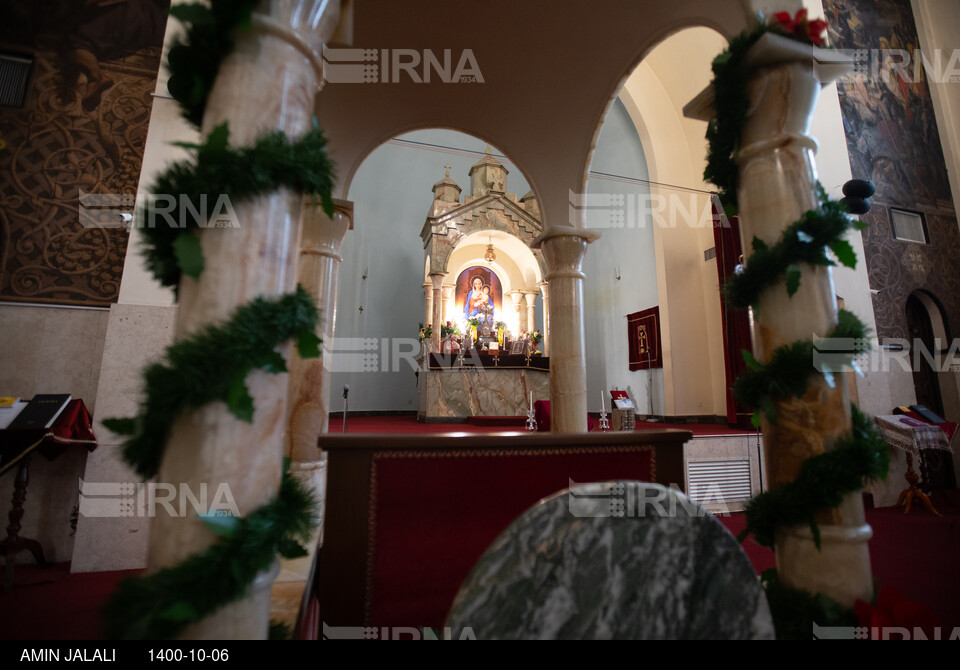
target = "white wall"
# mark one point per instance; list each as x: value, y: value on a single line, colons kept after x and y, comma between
x: 630, y: 248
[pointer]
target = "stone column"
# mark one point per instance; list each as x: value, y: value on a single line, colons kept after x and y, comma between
x: 428, y: 292
x: 531, y: 299
x: 318, y: 273
x: 516, y: 296
x: 437, y: 283
x: 268, y: 82
x: 777, y: 185
x: 309, y: 388
x: 544, y: 290
x: 447, y: 292
x: 563, y: 250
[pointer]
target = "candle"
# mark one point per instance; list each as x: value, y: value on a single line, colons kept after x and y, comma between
x: 602, y: 406
x: 531, y: 400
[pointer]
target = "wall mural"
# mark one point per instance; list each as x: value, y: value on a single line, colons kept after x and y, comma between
x: 892, y: 138
x: 479, y: 294
x: 83, y: 126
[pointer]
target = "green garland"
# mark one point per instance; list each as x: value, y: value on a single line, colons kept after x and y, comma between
x: 730, y: 104
x: 212, y: 365
x: 862, y: 455
x: 788, y: 372
x: 804, y: 241
x: 161, y: 605
x: 271, y: 163
x: 823, y: 481
x: 793, y: 609
x: 194, y: 59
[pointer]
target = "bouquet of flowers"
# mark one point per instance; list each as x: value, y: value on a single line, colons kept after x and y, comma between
x: 536, y: 337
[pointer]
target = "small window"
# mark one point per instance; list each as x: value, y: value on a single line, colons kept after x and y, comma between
x: 909, y: 226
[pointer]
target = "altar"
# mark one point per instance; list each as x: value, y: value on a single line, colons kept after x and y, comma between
x: 484, y: 351
x: 482, y: 385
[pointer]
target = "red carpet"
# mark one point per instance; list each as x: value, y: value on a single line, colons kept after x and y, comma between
x: 52, y: 604
x: 916, y: 553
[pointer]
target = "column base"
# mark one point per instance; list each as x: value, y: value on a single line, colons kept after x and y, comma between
x: 840, y: 569
x: 246, y: 619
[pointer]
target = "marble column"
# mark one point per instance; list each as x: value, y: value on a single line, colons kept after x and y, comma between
x: 563, y: 249
x: 544, y: 290
x: 531, y: 299
x: 437, y: 283
x: 428, y: 292
x: 515, y: 296
x: 777, y: 185
x: 447, y: 292
x: 268, y: 82
x: 318, y: 273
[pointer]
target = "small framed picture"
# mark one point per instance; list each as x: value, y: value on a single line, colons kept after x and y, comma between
x: 516, y: 347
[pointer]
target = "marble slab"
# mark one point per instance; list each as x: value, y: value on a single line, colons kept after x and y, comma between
x: 463, y: 392
x: 615, y: 560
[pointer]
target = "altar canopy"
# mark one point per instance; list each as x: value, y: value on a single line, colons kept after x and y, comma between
x: 482, y: 282
x: 477, y: 253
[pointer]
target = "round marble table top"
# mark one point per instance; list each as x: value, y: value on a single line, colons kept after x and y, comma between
x: 615, y: 560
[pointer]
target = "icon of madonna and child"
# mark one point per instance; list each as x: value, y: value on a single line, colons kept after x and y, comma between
x: 483, y: 296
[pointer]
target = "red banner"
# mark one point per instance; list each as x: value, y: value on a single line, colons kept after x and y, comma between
x: 643, y: 335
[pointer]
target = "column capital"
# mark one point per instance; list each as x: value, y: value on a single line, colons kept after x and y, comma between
x: 564, y: 231
x: 323, y: 235
x: 564, y: 252
x: 530, y: 297
x: 437, y: 280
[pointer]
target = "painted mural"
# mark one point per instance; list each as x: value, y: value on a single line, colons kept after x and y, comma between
x: 892, y: 139
x: 82, y: 128
x: 479, y: 294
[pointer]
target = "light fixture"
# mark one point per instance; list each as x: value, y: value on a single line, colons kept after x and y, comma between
x: 490, y: 256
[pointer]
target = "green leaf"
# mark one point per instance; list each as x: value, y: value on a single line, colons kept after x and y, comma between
x: 815, y: 529
x: 792, y: 274
x: 217, y: 139
x: 308, y: 344
x: 179, y: 611
x: 759, y: 245
x: 756, y: 420
x: 121, y: 426
x: 844, y: 253
x: 224, y: 526
x: 189, y: 254
x: 751, y: 362
x: 239, y: 401
x: 327, y: 202
x: 769, y: 409
x: 275, y: 363
x: 291, y: 549
x: 194, y: 13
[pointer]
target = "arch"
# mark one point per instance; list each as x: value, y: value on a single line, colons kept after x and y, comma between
x: 610, y: 41
x: 342, y: 188
x: 926, y: 328
x: 937, y: 316
x: 655, y: 146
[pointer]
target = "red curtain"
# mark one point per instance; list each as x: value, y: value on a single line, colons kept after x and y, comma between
x: 736, y: 324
